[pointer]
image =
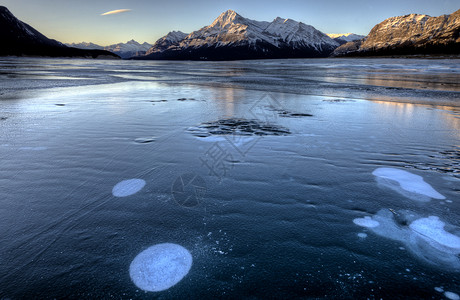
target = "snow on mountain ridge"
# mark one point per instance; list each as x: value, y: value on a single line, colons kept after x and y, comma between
x: 347, y: 37
x: 231, y: 36
x: 231, y: 28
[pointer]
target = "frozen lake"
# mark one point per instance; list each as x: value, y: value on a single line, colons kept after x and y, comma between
x: 324, y: 178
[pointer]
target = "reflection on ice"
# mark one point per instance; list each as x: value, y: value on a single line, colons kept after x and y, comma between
x: 128, y: 187
x: 426, y: 238
x: 160, y: 267
x: 408, y: 184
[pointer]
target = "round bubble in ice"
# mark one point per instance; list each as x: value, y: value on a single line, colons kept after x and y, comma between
x: 425, y: 238
x: 128, y: 187
x: 160, y: 267
x: 362, y: 235
x: 408, y: 184
x: 366, y: 222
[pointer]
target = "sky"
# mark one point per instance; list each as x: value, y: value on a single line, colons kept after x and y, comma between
x: 147, y: 20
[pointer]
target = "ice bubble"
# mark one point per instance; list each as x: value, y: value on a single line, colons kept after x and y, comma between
x: 362, y: 235
x: 425, y: 238
x: 439, y: 289
x: 403, y: 181
x: 432, y: 230
x: 160, y: 267
x: 451, y: 295
x: 366, y: 222
x: 128, y: 187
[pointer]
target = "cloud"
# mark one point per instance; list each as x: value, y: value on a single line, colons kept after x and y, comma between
x: 118, y: 11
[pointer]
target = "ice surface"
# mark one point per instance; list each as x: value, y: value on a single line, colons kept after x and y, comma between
x: 160, y: 267
x: 366, y: 222
x: 414, y: 184
x: 423, y: 237
x: 128, y: 187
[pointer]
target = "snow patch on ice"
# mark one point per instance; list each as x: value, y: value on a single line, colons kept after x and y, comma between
x: 408, y: 182
x: 128, y: 187
x: 160, y: 267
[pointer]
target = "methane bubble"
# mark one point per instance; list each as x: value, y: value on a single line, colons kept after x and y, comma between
x: 128, y: 187
x: 406, y: 183
x: 366, y: 222
x: 425, y: 238
x: 160, y: 267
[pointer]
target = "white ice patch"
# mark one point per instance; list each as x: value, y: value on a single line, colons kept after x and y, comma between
x: 406, y: 183
x: 425, y: 238
x: 366, y: 222
x: 452, y: 296
x: 160, y: 267
x: 128, y: 187
x: 362, y: 235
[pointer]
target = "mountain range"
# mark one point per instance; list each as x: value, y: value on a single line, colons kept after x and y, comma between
x: 408, y: 35
x: 232, y: 36
x: 20, y: 39
x: 124, y: 50
x: 343, y: 38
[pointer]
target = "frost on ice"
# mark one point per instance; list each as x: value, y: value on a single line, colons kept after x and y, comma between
x: 128, y: 187
x: 425, y: 238
x: 408, y: 184
x: 160, y: 267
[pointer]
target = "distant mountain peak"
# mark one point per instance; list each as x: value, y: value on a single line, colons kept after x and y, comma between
x: 227, y: 18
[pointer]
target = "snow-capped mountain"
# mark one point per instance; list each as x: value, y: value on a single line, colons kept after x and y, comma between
x: 167, y: 41
x: 124, y: 50
x: 232, y: 36
x: 343, y: 38
x: 20, y: 39
x: 86, y: 46
x: 412, y: 34
x: 129, y: 49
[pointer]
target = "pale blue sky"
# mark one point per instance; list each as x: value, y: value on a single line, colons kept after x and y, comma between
x: 148, y: 20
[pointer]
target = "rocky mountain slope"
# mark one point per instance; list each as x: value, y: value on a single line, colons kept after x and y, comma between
x: 20, y: 39
x: 232, y: 36
x: 409, y: 34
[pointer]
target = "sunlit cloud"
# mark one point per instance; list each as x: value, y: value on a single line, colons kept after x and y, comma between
x: 113, y: 12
